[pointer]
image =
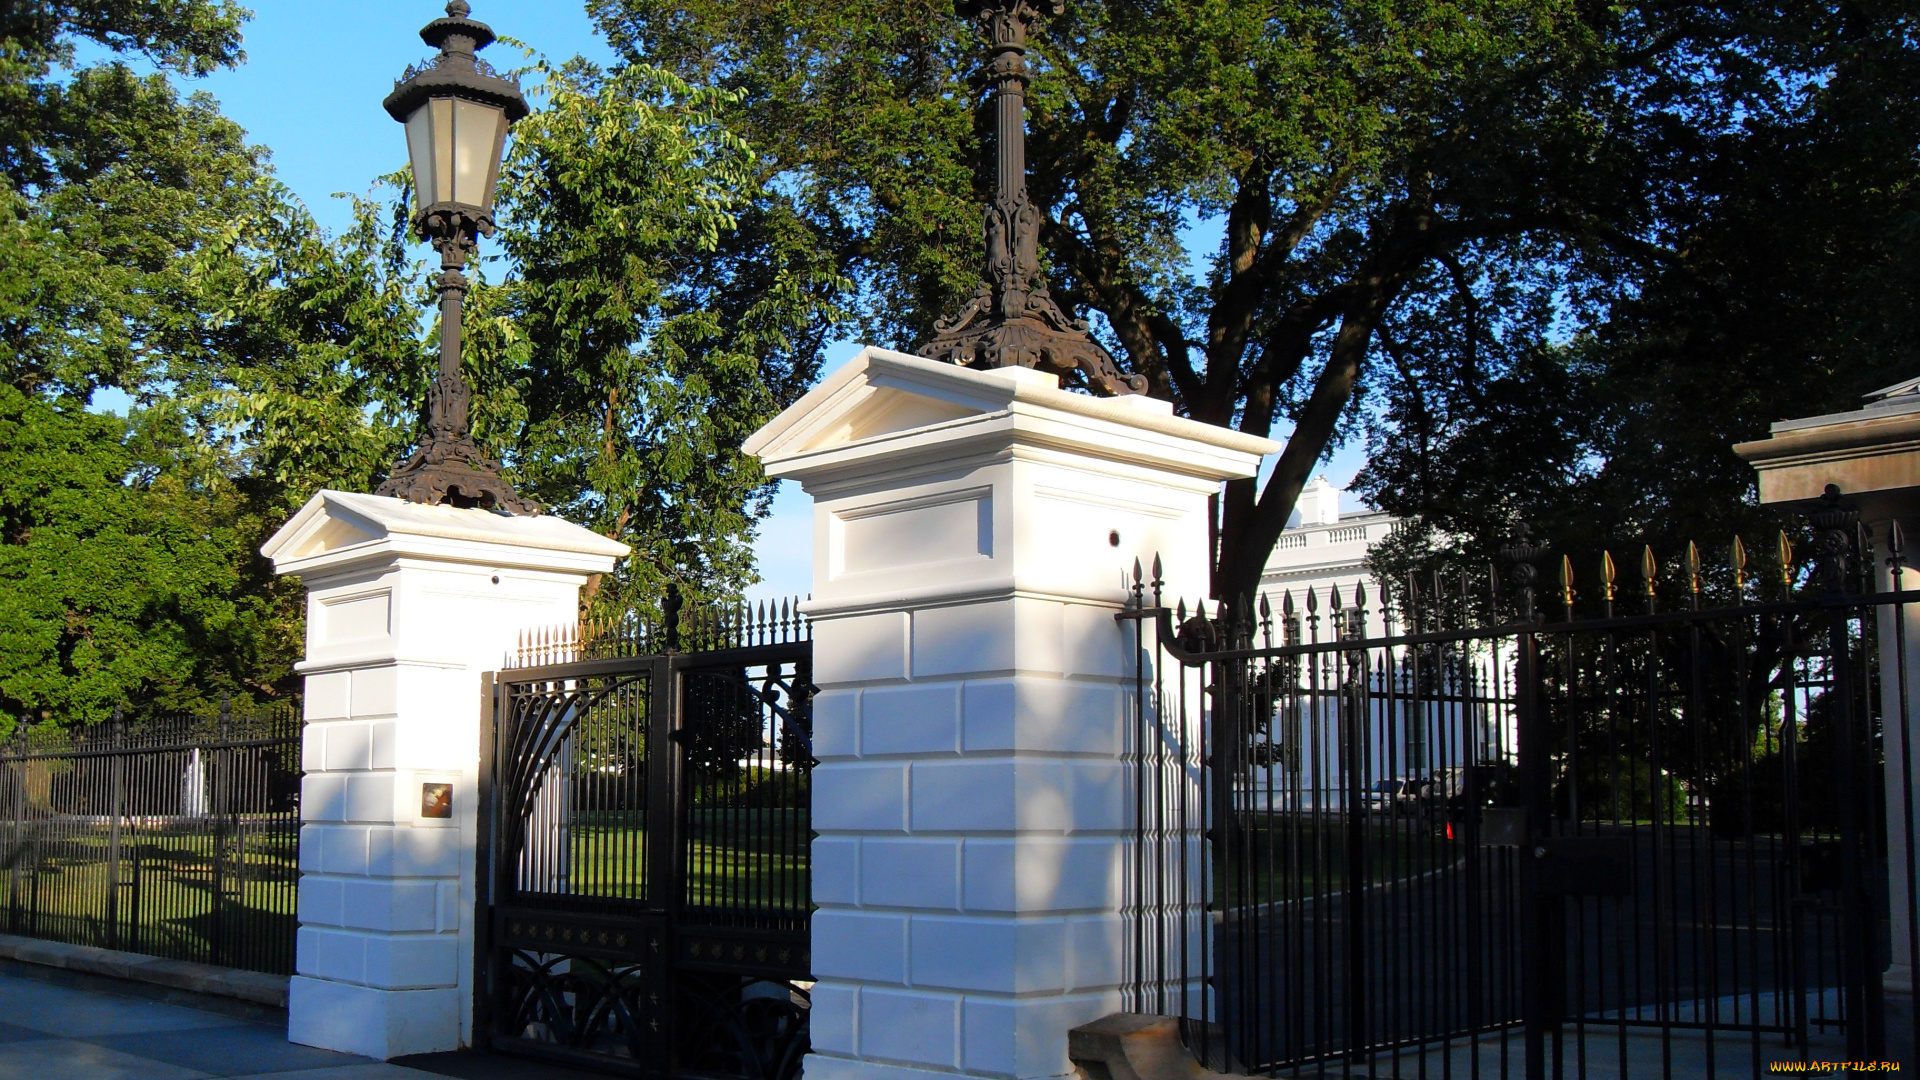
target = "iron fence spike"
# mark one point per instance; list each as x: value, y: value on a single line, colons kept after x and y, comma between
x: 1649, y: 572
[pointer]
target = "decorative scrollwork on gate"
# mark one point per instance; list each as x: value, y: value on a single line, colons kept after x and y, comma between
x: 606, y: 1008
x: 741, y: 1027
x: 539, y: 722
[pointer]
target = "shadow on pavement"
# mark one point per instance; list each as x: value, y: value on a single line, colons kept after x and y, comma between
x: 471, y: 1065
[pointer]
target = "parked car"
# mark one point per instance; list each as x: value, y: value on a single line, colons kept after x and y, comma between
x: 1396, y: 797
x: 1466, y: 791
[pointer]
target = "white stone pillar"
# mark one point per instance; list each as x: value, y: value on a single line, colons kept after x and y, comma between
x: 1899, y: 625
x: 408, y: 608
x: 1872, y: 455
x: 973, y: 536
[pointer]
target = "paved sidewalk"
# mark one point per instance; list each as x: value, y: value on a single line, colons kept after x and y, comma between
x: 56, y: 1032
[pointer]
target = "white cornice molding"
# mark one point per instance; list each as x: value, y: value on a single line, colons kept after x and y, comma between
x: 342, y: 531
x: 918, y: 411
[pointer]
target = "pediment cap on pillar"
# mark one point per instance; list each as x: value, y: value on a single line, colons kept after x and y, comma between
x: 1872, y: 454
x: 910, y: 408
x: 337, y: 530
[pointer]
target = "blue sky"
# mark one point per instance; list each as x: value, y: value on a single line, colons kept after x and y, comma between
x: 316, y: 73
x: 310, y: 91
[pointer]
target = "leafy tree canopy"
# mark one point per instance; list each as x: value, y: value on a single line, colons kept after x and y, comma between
x: 655, y: 317
x: 1600, y: 401
x: 1358, y: 163
x: 623, y: 340
x: 121, y: 582
x: 127, y: 555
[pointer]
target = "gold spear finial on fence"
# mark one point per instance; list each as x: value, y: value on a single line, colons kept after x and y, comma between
x: 1786, y: 563
x: 1649, y: 566
x: 1739, y: 567
x: 1566, y: 585
x: 1693, y: 572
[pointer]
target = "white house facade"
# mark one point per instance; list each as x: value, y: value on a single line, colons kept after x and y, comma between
x: 1420, y: 733
x: 1325, y: 550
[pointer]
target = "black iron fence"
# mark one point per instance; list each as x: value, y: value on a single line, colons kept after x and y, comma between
x: 175, y: 837
x: 1435, y: 833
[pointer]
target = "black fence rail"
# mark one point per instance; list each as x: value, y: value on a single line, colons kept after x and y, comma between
x: 1433, y: 833
x: 700, y: 628
x: 177, y: 837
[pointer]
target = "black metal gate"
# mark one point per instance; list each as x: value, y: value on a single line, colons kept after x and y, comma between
x: 1446, y: 834
x: 645, y: 893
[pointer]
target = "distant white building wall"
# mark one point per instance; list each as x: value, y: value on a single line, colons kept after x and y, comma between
x: 1319, y: 502
x: 1325, y: 552
x: 1323, y: 555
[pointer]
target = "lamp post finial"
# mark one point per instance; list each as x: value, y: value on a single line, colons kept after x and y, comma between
x: 1011, y: 320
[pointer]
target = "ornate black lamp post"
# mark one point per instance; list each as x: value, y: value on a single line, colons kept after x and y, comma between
x: 1010, y: 321
x: 457, y: 112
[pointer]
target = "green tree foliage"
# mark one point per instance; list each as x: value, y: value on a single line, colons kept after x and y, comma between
x: 634, y: 335
x: 310, y: 362
x: 109, y: 177
x: 654, y: 319
x: 1355, y: 161
x: 114, y: 589
x: 1598, y: 394
x: 631, y: 343
x: 126, y: 557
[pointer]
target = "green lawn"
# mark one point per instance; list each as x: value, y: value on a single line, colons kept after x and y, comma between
x: 174, y: 898
x: 750, y: 857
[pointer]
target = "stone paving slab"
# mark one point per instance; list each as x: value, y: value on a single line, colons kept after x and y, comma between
x: 369, y: 1071
x: 471, y: 1066
x: 54, y: 1032
x: 241, y: 1050
x: 252, y: 986
x: 66, y: 1059
x: 78, y: 1014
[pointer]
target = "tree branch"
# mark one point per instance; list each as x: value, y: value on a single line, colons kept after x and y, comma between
x: 1250, y: 281
x: 1156, y: 345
